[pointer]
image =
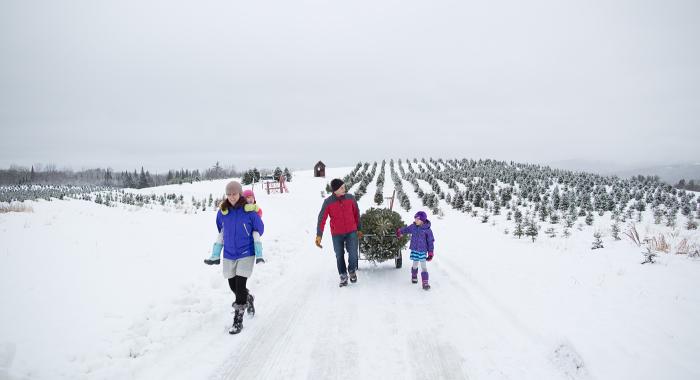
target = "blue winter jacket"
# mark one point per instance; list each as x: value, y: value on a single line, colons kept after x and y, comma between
x: 421, y: 236
x: 238, y: 226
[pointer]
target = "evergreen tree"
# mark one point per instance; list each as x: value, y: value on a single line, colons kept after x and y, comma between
x: 478, y: 200
x: 108, y: 177
x: 217, y: 170
x: 277, y: 173
x: 582, y: 211
x: 467, y: 207
x: 671, y: 218
x: 379, y: 197
x: 640, y: 206
x: 143, y: 181
x: 597, y: 243
x: 256, y: 175
x: 543, y: 213
x: 569, y: 221
x: 149, y: 180
x: 247, y: 177
x: 405, y: 202
x: 459, y: 202
x: 554, y: 218
x: 287, y: 175
x: 532, y: 231
x: 615, y: 228
x: 518, y: 216
x: 589, y: 218
x: 518, y: 230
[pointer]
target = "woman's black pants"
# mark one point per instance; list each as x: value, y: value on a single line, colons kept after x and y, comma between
x: 238, y: 287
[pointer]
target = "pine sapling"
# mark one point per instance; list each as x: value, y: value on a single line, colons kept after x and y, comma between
x: 597, y: 243
x: 649, y: 256
x: 532, y: 231
x: 519, y: 230
x: 615, y: 228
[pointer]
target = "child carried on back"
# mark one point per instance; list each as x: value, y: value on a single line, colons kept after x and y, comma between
x: 252, y: 206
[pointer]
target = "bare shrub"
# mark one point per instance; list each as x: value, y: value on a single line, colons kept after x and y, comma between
x: 683, y: 247
x: 6, y: 207
x: 633, y: 235
x: 659, y: 244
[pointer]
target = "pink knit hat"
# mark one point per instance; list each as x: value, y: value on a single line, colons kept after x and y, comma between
x: 248, y: 193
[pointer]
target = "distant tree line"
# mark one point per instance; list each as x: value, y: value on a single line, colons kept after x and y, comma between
x: 691, y: 185
x: 49, y: 175
x: 138, y: 179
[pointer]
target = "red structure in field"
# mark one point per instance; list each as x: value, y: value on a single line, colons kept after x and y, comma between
x: 277, y: 186
x: 320, y: 170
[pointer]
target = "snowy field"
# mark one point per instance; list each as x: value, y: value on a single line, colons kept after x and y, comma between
x: 95, y: 292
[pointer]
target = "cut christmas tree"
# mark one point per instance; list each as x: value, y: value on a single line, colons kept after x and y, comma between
x: 379, y: 226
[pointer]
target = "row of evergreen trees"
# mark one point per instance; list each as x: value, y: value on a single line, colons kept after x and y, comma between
x: 365, y: 181
x: 379, y: 193
x: 398, y: 186
x: 549, y: 195
x: 20, y: 193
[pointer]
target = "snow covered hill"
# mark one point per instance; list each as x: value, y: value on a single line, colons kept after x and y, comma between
x: 95, y: 292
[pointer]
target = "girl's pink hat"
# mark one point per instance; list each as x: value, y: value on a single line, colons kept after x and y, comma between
x: 248, y: 193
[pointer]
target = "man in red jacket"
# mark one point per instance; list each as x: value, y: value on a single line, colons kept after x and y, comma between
x: 345, y: 223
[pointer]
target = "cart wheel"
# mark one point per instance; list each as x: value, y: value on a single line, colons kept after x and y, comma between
x: 398, y: 262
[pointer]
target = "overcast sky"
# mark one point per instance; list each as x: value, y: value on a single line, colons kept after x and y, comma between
x: 169, y: 84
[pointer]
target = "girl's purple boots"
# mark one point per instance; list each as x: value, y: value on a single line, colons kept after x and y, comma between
x: 424, y: 277
x: 414, y: 275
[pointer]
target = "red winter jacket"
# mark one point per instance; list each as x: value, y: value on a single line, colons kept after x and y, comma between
x: 344, y: 213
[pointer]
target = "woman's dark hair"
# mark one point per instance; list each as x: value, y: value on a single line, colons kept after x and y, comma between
x: 225, y: 205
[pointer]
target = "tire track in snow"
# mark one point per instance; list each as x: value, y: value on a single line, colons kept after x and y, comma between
x: 532, y: 349
x: 438, y: 359
x: 268, y: 342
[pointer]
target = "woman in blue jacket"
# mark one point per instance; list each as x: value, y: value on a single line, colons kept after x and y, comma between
x: 239, y: 250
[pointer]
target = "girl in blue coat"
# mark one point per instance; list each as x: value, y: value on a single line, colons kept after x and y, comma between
x: 238, y: 260
x: 421, y: 246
